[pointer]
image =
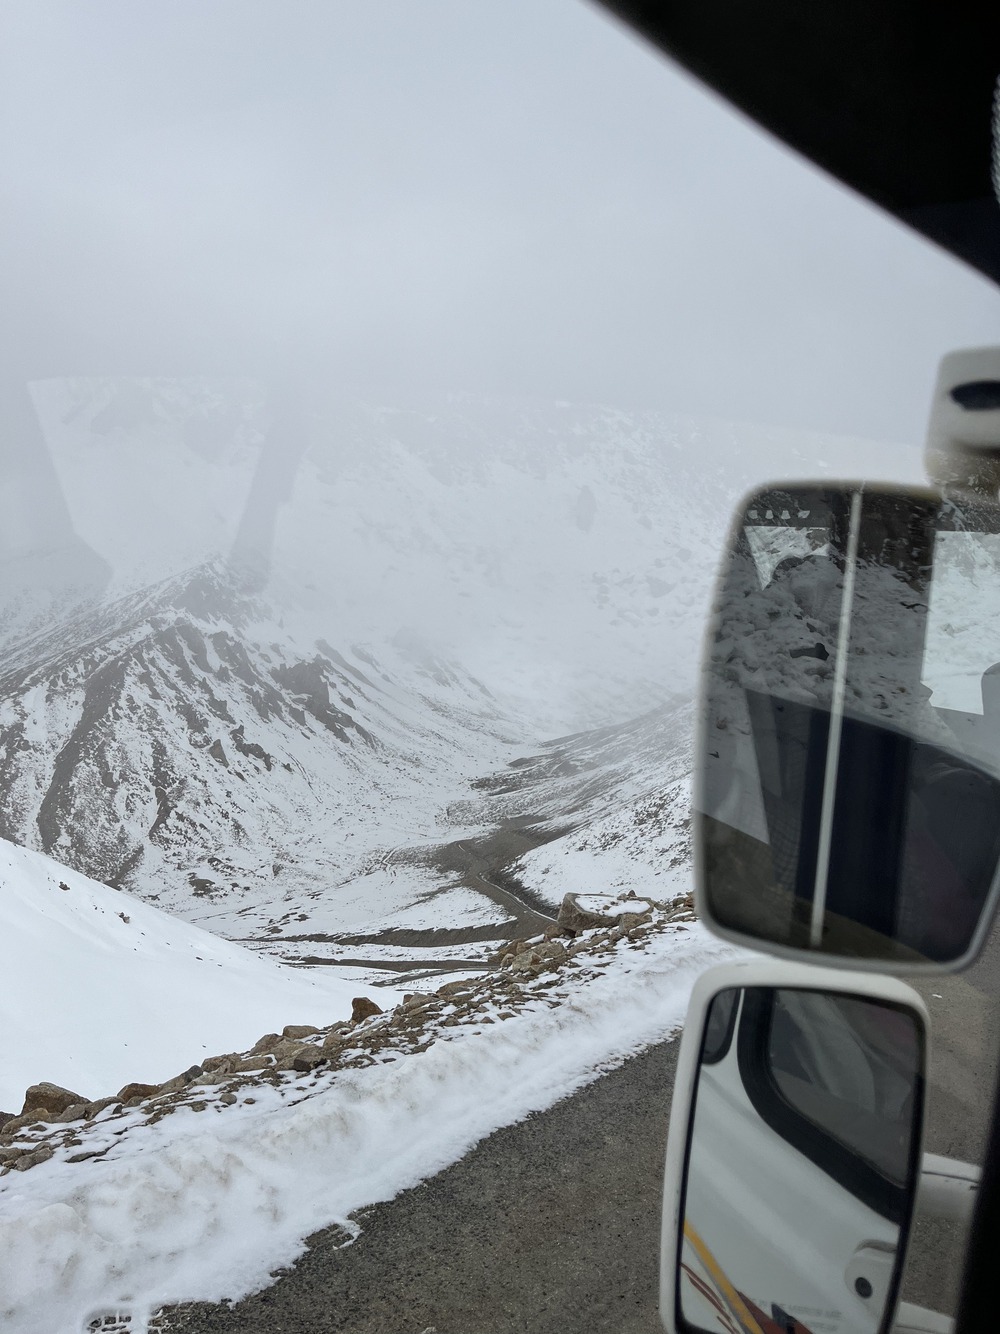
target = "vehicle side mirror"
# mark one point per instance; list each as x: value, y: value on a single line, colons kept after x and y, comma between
x: 794, y: 1152
x: 847, y: 794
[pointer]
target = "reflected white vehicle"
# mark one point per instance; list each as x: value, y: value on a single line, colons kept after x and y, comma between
x: 800, y: 1163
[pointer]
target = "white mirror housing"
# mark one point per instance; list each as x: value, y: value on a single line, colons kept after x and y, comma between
x: 794, y: 1151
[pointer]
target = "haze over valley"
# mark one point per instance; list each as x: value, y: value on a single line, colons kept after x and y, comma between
x: 362, y: 686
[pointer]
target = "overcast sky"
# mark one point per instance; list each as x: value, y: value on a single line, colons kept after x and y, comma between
x: 514, y: 196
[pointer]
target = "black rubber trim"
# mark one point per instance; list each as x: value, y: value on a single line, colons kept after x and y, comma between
x: 716, y: 1055
x: 894, y: 98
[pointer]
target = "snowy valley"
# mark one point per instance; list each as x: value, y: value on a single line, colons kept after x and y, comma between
x: 339, y: 702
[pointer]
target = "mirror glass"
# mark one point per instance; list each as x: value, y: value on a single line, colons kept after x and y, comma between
x: 802, y: 1163
x: 848, y: 793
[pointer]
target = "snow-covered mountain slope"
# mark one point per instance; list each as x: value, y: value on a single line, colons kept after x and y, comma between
x: 616, y: 800
x: 242, y: 764
x: 205, y: 1207
x: 564, y: 553
x: 100, y: 989
x: 173, y: 745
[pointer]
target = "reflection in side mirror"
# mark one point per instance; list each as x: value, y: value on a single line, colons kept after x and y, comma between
x: 848, y: 791
x: 802, y: 1154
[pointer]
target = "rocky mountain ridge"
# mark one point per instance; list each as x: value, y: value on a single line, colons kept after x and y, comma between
x: 172, y: 743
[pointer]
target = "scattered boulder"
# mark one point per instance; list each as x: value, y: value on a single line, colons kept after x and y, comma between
x: 251, y: 1063
x: 309, y: 1057
x: 525, y: 961
x: 300, y: 1030
x: 77, y: 1112
x: 174, y: 1085
x: 574, y: 919
x: 95, y: 1108
x: 17, y: 1123
x: 265, y: 1044
x: 363, y: 1008
x: 40, y: 1155
x: 551, y: 950
x: 139, y: 1091
x: 221, y: 1063
x: 452, y: 989
x: 48, y: 1098
x: 219, y: 1076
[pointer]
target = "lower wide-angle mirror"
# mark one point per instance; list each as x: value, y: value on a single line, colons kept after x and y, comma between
x: 796, y: 1161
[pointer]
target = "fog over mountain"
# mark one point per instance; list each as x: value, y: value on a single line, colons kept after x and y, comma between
x: 562, y: 552
x: 333, y: 641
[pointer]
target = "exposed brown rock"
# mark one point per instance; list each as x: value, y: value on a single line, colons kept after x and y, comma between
x: 225, y: 1062
x: 525, y: 961
x: 75, y: 1113
x: 575, y: 919
x: 174, y: 1085
x: 252, y: 1063
x: 458, y: 988
x: 95, y: 1108
x: 363, y: 1008
x: 308, y: 1057
x: 210, y: 1077
x: 139, y: 1091
x: 267, y: 1043
x: 299, y: 1031
x: 40, y: 1155
x: 552, y: 950
x: 49, y: 1097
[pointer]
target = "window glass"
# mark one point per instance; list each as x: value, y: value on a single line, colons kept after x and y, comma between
x: 849, y: 1067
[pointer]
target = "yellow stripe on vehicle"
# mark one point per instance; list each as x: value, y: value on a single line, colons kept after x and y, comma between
x: 737, y: 1306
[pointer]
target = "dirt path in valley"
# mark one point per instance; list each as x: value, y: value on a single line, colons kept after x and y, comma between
x: 481, y: 863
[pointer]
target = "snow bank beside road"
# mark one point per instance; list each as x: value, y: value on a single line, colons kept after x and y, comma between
x: 206, y: 1206
x: 101, y: 989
